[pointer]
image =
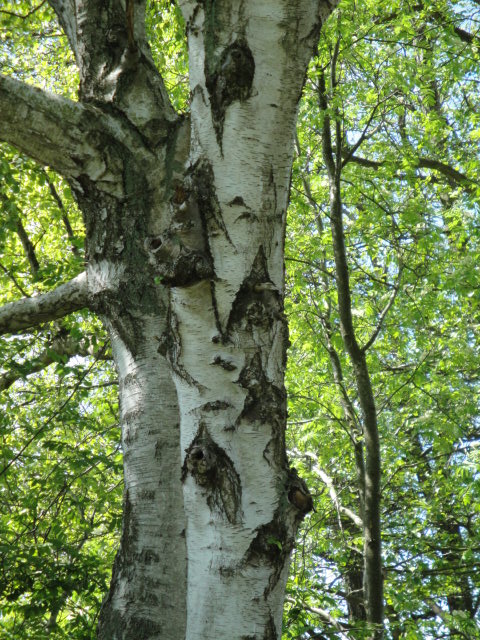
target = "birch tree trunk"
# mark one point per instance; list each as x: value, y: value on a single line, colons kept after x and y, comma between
x: 185, y: 222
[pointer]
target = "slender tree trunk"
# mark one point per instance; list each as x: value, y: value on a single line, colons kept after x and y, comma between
x: 371, y: 461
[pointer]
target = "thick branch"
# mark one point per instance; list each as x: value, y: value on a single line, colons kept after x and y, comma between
x: 115, y: 63
x: 373, y: 582
x: 46, y: 127
x: 57, y: 303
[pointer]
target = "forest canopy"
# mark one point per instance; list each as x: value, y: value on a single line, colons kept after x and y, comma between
x: 389, y: 123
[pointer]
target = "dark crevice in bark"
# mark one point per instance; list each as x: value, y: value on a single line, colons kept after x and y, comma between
x: 110, y: 623
x: 270, y: 547
x: 170, y: 344
x: 269, y: 633
x: 217, y: 405
x: 180, y: 254
x: 214, y: 471
x: 265, y: 405
x: 258, y: 302
x: 203, y: 185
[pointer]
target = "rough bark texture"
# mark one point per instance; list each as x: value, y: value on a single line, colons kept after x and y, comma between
x: 185, y: 229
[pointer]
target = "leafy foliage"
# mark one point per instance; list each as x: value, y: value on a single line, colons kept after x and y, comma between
x: 407, y: 115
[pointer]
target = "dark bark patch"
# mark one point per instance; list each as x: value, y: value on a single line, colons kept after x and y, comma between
x: 146, y: 494
x: 165, y: 343
x: 181, y: 254
x: 203, y: 185
x: 148, y: 557
x: 143, y: 629
x: 110, y: 624
x: 228, y: 81
x: 217, y: 405
x: 213, y: 470
x: 271, y: 547
x: 174, y: 350
x: 270, y: 630
x: 265, y: 404
x: 238, y: 201
x: 258, y: 302
x: 225, y: 364
x: 176, y: 263
x: 264, y: 400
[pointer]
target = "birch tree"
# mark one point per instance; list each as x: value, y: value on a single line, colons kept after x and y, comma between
x: 184, y: 216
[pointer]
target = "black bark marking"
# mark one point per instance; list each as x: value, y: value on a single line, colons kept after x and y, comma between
x: 149, y: 557
x: 225, y: 364
x: 213, y: 470
x: 230, y: 80
x: 171, y: 344
x: 258, y: 302
x: 264, y: 399
x: 124, y: 565
x: 264, y: 404
x: 142, y: 629
x: 180, y: 254
x: 146, y: 494
x: 177, y: 265
x: 270, y: 630
x: 217, y: 405
x: 238, y: 201
x: 271, y: 547
x: 203, y: 185
x: 218, y: 338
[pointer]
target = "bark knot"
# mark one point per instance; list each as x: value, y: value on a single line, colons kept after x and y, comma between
x: 214, y: 472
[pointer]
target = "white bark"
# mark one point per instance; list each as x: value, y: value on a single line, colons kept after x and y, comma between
x: 29, y: 312
x: 231, y: 334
